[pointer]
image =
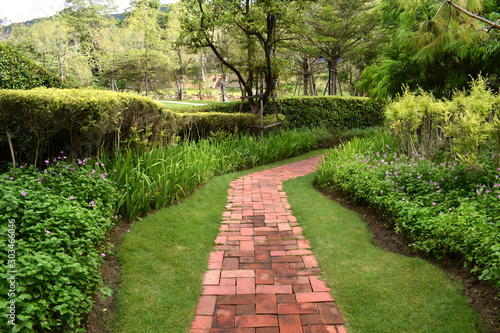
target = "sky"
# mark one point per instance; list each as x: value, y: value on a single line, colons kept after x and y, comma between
x: 25, y: 10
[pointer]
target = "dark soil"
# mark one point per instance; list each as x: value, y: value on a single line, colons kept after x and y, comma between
x: 483, y: 296
x: 104, y: 310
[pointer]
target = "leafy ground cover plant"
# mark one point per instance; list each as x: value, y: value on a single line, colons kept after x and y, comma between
x: 441, y: 207
x: 59, y: 218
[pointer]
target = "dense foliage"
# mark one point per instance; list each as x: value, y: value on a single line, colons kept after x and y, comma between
x: 333, y: 112
x: 19, y: 72
x: 40, y: 122
x: 59, y: 219
x: 436, y: 50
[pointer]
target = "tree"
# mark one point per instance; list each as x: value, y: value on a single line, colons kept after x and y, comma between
x: 346, y: 28
x: 87, y: 18
x: 421, y: 54
x: 256, y: 26
x: 143, y: 21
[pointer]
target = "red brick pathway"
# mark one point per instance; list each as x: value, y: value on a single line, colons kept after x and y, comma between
x: 263, y: 278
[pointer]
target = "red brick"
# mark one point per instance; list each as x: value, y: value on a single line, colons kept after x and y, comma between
x: 228, y: 281
x: 240, y: 238
x: 291, y: 280
x: 307, y: 271
x: 264, y: 276
x: 298, y: 252
x: 212, y: 277
x: 303, y: 244
x: 224, y: 316
x: 274, y: 289
x: 313, y: 297
x: 256, y: 321
x: 297, y: 308
x: 302, y: 288
x: 201, y: 322
x: 330, y: 314
x: 267, y: 330
x: 245, y: 309
x: 247, y: 245
x: 206, y: 305
x: 285, y: 298
x: 262, y: 256
x: 317, y: 284
x: 245, y: 286
x: 290, y: 323
x: 247, y: 259
x: 265, y: 303
x: 286, y: 259
x: 281, y: 269
x: 310, y: 261
x: 239, y: 253
x: 238, y: 273
x: 219, y: 290
x: 296, y: 265
x: 284, y: 227
x: 277, y: 253
x: 236, y: 299
x: 311, y: 319
x: 246, y: 231
x: 256, y: 265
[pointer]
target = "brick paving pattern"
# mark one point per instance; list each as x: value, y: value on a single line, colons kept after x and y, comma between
x: 262, y: 276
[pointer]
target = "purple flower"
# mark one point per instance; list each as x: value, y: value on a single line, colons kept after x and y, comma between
x: 72, y: 198
x: 92, y: 203
x: 434, y: 204
x: 128, y: 230
x: 47, y: 162
x: 381, y: 192
x: 48, y: 232
x: 11, y: 178
x: 62, y: 152
x: 22, y: 192
x: 102, y: 254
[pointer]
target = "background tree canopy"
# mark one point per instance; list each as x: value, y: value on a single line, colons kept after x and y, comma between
x: 433, y: 44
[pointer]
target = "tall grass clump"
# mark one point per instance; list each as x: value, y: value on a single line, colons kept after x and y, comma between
x: 151, y: 178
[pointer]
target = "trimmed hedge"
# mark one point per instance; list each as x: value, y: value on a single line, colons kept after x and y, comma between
x: 41, y: 122
x: 334, y: 112
x: 19, y: 72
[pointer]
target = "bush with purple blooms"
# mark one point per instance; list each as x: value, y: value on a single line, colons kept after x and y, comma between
x: 60, y: 217
x: 442, y: 207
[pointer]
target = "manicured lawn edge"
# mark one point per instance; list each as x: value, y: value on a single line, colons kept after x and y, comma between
x: 376, y: 291
x: 164, y: 257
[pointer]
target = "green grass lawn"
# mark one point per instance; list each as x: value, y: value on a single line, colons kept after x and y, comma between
x: 165, y: 256
x: 376, y: 291
x: 176, y: 104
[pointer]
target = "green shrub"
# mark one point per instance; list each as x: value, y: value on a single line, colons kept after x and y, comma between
x: 333, y: 112
x: 42, y: 121
x: 441, y: 208
x: 18, y: 72
x: 60, y: 218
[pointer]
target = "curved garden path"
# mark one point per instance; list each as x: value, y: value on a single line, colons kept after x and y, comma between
x: 262, y: 276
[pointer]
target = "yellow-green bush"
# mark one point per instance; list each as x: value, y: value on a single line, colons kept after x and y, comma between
x: 38, y: 123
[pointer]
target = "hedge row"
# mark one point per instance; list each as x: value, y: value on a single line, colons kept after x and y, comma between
x: 18, y: 72
x: 333, y: 112
x: 41, y: 122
